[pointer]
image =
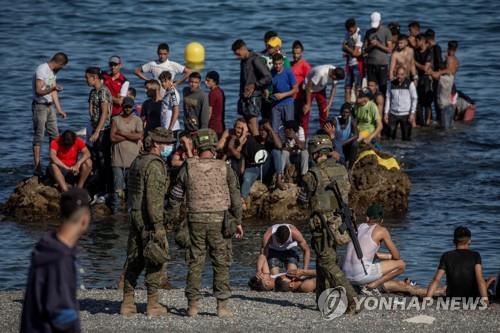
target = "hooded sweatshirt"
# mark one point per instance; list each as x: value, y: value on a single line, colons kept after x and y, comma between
x: 50, y: 303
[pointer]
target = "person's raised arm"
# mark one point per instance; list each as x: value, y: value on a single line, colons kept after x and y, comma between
x: 276, y: 138
x: 185, y: 75
x: 222, y: 141
x: 301, y: 242
x: 431, y: 289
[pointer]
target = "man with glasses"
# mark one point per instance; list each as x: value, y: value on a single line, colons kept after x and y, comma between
x: 116, y: 83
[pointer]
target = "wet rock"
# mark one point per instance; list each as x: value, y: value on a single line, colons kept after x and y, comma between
x: 34, y: 199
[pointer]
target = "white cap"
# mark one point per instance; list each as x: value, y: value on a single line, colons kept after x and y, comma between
x: 376, y: 18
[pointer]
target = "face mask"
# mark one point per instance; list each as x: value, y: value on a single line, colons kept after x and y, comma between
x: 167, y: 150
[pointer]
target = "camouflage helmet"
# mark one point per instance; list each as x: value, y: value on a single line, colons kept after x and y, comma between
x: 319, y: 143
x: 205, y: 139
x: 162, y: 135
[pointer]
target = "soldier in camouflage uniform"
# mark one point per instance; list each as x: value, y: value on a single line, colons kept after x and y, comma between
x: 147, y: 247
x: 212, y: 190
x: 323, y: 204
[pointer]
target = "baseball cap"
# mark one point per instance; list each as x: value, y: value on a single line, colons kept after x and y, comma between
x: 115, y: 60
x: 127, y: 101
x: 274, y: 42
x: 375, y: 18
x: 375, y: 211
x: 73, y: 200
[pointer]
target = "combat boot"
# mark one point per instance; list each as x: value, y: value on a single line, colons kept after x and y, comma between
x: 222, y: 308
x: 128, y: 306
x: 154, y: 308
x: 193, y: 308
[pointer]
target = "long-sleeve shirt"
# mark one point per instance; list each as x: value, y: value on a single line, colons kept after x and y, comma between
x: 401, y: 98
x: 253, y: 70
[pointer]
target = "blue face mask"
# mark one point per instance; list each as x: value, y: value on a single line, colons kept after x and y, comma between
x: 167, y: 151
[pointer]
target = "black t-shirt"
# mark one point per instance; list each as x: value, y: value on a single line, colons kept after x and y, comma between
x: 252, y: 146
x: 459, y: 266
x: 422, y: 58
x: 151, y: 111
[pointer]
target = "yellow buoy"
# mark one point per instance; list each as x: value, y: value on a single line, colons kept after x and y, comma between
x: 194, y: 53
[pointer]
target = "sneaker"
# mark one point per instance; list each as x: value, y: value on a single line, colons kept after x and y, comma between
x: 98, y: 199
x: 365, y: 291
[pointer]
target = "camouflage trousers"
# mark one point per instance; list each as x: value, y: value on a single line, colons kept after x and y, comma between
x: 207, y: 236
x: 136, y: 262
x: 329, y: 274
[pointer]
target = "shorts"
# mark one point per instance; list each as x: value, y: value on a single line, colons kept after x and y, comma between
x: 250, y: 107
x: 69, y: 177
x: 353, y: 77
x: 374, y: 273
x: 283, y: 258
x: 44, y: 118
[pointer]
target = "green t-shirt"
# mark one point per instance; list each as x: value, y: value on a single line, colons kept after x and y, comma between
x: 367, y: 117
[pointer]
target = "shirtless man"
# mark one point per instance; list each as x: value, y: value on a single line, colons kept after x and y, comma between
x: 403, y: 57
x: 280, y: 246
x: 298, y: 280
x: 446, y: 77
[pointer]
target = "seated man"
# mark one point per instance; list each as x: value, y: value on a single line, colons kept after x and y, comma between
x: 262, y: 158
x: 231, y: 143
x: 64, y: 163
x: 370, y: 235
x: 184, y: 151
x: 280, y: 246
x: 294, y: 147
x: 463, y: 269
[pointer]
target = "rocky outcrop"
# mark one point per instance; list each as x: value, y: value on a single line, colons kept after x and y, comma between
x: 371, y: 182
x: 32, y: 199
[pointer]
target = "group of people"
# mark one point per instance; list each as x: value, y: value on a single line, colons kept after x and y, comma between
x: 142, y: 154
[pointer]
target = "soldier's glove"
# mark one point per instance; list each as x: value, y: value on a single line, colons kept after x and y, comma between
x: 160, y: 233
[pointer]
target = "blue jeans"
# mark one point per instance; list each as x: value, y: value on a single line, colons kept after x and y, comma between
x: 273, y: 163
x: 353, y: 77
x: 283, y: 258
x: 119, y: 185
x: 280, y: 114
x: 447, y: 114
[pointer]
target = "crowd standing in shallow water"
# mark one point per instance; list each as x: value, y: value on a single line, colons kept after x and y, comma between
x: 159, y: 158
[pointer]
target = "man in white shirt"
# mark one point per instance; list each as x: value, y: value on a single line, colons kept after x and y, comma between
x: 156, y: 67
x: 45, y: 94
x: 352, y: 53
x: 170, y: 103
x: 315, y: 86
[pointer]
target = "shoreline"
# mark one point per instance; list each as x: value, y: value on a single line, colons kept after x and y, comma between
x: 253, y: 311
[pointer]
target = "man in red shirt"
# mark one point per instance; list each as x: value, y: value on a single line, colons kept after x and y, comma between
x: 116, y: 83
x: 64, y: 163
x: 300, y: 68
x: 217, y: 103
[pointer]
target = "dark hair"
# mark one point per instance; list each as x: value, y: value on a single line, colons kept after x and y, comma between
x: 71, y: 202
x: 282, y: 234
x: 213, y: 75
x: 256, y: 284
x: 282, y: 285
x: 339, y: 73
x: 151, y: 82
x: 68, y: 138
x: 277, y: 57
x: 414, y: 24
x: 132, y: 91
x: 163, y: 46
x: 264, y: 121
x: 165, y: 76
x: 430, y: 34
x: 240, y: 120
x: 94, y: 71
x: 297, y: 44
x: 350, y: 23
x: 394, y: 27
x: 195, y: 75
x: 461, y: 235
x: 184, y: 134
x: 345, y: 106
x: 60, y: 58
x: 453, y: 45
x: 270, y: 34
x: 420, y: 37
x: 238, y: 44
x: 292, y: 124
x: 402, y: 37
